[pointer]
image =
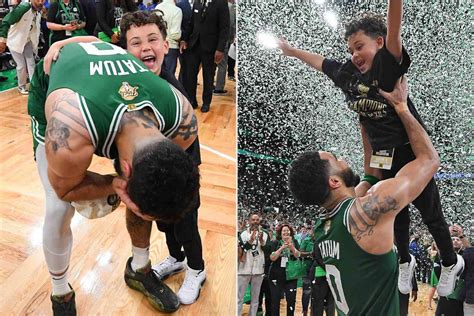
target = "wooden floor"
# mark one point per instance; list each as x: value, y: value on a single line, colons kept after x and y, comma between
x: 102, y: 246
x: 418, y: 308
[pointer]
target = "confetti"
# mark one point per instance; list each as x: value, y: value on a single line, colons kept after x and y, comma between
x: 286, y: 107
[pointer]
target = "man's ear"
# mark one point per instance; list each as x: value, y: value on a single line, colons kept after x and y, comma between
x: 334, y: 182
x: 126, y: 169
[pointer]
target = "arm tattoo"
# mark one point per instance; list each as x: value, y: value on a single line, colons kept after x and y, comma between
x: 187, y: 130
x: 144, y: 118
x: 363, y: 220
x: 64, y: 113
x: 57, y: 134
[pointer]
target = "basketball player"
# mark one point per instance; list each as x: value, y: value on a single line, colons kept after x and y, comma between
x: 101, y: 100
x: 144, y: 35
x: 357, y: 232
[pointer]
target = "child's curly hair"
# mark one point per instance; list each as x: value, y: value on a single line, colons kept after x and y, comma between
x: 372, y: 24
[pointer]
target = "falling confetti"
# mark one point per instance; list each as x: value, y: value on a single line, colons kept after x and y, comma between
x: 286, y: 107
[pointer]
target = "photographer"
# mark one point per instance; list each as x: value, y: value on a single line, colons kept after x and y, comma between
x: 251, y: 267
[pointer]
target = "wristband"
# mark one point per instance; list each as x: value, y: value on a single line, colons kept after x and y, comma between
x: 370, y: 179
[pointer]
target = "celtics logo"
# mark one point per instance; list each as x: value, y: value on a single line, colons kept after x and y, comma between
x: 127, y: 92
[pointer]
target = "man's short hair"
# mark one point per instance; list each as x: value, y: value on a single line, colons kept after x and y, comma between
x: 140, y: 18
x: 372, y: 24
x: 164, y: 181
x: 308, y: 178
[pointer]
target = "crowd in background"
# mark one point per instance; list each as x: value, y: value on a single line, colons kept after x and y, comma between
x: 271, y: 236
x: 200, y: 34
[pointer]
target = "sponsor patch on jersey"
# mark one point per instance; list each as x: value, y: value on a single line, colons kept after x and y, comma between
x: 127, y: 92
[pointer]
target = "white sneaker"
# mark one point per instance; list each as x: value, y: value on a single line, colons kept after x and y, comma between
x: 448, y: 277
x: 191, y: 288
x: 168, y: 267
x: 23, y: 90
x: 405, y: 273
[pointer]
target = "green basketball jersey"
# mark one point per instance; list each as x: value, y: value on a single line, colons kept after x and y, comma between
x: 108, y: 82
x: 361, y: 283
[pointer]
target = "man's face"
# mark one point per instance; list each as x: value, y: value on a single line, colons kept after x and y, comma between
x: 340, y: 168
x: 147, y: 44
x: 37, y: 4
x: 254, y: 220
x: 363, y: 49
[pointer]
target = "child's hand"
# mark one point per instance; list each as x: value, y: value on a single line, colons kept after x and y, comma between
x: 398, y: 97
x: 285, y: 47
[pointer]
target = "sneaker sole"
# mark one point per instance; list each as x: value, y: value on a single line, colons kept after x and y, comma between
x: 199, y: 293
x: 138, y: 286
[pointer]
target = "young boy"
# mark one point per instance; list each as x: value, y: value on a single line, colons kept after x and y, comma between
x: 378, y: 61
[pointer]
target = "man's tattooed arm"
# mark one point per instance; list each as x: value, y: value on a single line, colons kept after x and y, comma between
x: 69, y: 151
x: 364, y: 218
x: 187, y: 129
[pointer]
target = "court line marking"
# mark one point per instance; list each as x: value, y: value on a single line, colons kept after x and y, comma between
x: 218, y: 153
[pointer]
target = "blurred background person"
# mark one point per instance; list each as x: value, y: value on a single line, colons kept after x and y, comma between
x: 20, y: 31
x: 65, y: 19
x: 173, y: 17
x: 284, y: 249
x: 222, y: 66
x: 251, y: 266
x: 203, y: 44
x: 109, y: 14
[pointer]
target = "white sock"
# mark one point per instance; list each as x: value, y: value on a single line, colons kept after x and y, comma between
x: 140, y: 257
x: 60, y: 284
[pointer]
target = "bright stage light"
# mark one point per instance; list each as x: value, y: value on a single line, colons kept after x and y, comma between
x: 267, y: 40
x: 330, y: 18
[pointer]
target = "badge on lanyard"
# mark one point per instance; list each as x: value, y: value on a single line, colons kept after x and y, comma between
x: 382, y: 159
x: 284, y: 260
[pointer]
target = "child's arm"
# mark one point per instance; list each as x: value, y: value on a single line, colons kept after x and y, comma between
x: 312, y: 59
x: 394, y: 23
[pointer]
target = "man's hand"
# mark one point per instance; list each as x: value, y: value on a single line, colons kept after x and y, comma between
x: 182, y: 46
x: 3, y: 46
x: 398, y: 97
x: 120, y: 185
x: 218, y: 56
x: 70, y: 27
x: 414, y: 295
x: 285, y: 47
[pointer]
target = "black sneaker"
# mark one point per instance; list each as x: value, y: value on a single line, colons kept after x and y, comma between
x: 220, y: 92
x: 205, y: 108
x: 231, y: 78
x: 158, y: 293
x: 64, y: 305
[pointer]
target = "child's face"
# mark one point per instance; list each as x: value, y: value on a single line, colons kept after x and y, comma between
x: 147, y: 44
x: 363, y: 49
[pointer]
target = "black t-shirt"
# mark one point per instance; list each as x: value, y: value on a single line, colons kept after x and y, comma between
x: 59, y: 15
x: 276, y: 270
x: 381, y: 122
x: 194, y: 150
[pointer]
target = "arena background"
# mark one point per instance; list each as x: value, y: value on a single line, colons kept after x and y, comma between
x: 286, y: 107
